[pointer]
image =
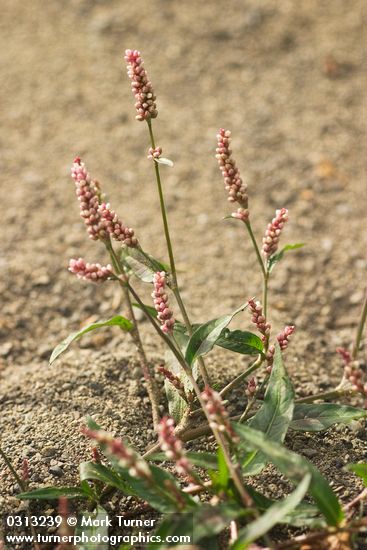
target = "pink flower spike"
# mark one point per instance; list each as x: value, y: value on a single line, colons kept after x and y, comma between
x: 154, y: 153
x: 127, y: 457
x: 345, y: 355
x: 165, y: 314
x: 116, y: 228
x: 172, y: 447
x: 96, y: 273
x: 218, y: 415
x: 87, y: 192
x: 241, y: 214
x: 141, y: 86
x: 172, y: 378
x: 258, y: 318
x: 273, y: 231
x: 237, y: 189
x: 283, y: 337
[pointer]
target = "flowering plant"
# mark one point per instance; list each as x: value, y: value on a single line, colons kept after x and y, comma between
x: 211, y: 488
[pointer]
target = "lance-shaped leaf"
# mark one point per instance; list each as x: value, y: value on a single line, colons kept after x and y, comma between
x: 275, y: 258
x: 295, y: 467
x: 177, y: 406
x: 240, y: 341
x: 275, y: 514
x: 99, y: 472
x: 275, y: 414
x: 317, y: 417
x: 54, y: 493
x: 205, y: 337
x: 117, y: 321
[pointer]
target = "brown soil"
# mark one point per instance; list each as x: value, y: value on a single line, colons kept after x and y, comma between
x: 289, y: 79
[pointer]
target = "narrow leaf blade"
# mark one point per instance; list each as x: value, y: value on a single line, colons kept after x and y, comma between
x: 275, y: 514
x: 275, y: 414
x: 204, y: 338
x: 295, y: 467
x: 317, y: 417
x: 118, y: 320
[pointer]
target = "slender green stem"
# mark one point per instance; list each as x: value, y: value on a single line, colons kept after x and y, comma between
x: 360, y: 328
x: 256, y: 248
x: 265, y: 294
x: 174, y: 285
x: 236, y: 381
x: 14, y: 473
x: 135, y: 333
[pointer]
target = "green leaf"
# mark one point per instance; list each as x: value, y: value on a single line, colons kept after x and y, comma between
x: 318, y: 417
x: 166, y: 162
x: 275, y: 414
x: 118, y: 321
x: 240, y: 341
x: 303, y: 514
x: 99, y: 472
x: 211, y: 520
x: 93, y: 532
x: 275, y: 514
x: 51, y: 493
x: 360, y: 470
x: 205, y: 337
x: 203, y: 460
x: 275, y: 258
x: 143, y: 265
x: 295, y: 467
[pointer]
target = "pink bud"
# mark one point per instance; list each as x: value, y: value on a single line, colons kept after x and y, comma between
x: 141, y: 86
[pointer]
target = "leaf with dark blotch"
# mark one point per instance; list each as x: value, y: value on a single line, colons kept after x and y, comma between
x: 275, y: 258
x: 54, y: 493
x: 360, y: 470
x: 275, y: 414
x: 317, y: 417
x: 118, y: 321
x: 240, y: 341
x: 295, y: 467
x: 275, y: 514
x: 204, y: 338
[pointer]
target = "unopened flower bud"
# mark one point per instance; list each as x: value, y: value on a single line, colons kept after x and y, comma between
x: 173, y: 448
x: 96, y: 273
x: 217, y: 413
x: 154, y: 153
x: 141, y: 86
x: 236, y: 188
x: 88, y: 193
x: 273, y: 231
x: 165, y: 314
x: 114, y: 226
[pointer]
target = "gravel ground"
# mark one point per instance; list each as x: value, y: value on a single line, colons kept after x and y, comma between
x: 289, y: 79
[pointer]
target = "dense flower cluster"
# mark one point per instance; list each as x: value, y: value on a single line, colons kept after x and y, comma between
x: 218, y: 415
x: 117, y: 230
x: 241, y: 214
x: 165, y: 314
x: 141, y: 86
x: 258, y: 318
x: 237, y: 189
x: 283, y: 337
x: 353, y: 372
x: 154, y: 153
x: 172, y: 378
x: 251, y: 386
x: 127, y: 457
x: 273, y: 231
x: 173, y: 448
x: 96, y: 273
x: 88, y: 193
